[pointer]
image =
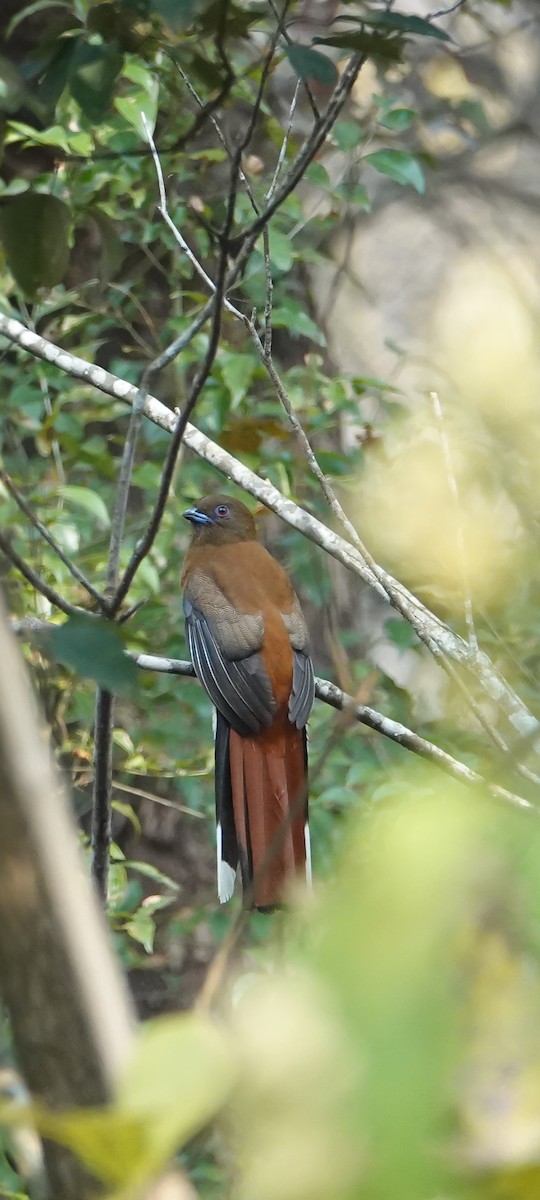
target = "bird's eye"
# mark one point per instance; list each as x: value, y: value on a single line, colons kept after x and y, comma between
x: 222, y: 510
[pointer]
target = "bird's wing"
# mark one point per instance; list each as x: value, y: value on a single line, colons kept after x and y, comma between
x: 303, y: 689
x: 303, y: 683
x: 224, y: 645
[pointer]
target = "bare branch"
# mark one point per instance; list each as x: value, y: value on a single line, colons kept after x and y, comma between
x: 101, y: 790
x: 148, y: 538
x: 284, y: 144
x: 328, y: 693
x: 445, y: 12
x: 36, y: 579
x: 412, y: 741
x: 442, y: 640
x: 54, y: 981
x: 311, y: 145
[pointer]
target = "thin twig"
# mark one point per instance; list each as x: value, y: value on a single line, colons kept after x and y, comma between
x: 284, y: 144
x: 311, y: 145
x: 445, y: 12
x: 48, y: 537
x: 443, y: 641
x: 122, y: 492
x: 101, y: 792
x: 37, y: 580
x: 307, y: 89
x: 146, y: 542
x: 144, y: 795
x: 328, y: 693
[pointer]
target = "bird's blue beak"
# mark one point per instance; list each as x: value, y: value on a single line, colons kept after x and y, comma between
x: 197, y: 517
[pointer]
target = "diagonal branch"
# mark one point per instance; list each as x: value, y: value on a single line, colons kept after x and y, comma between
x: 442, y: 640
x: 37, y: 580
x: 329, y: 693
x: 146, y: 542
x: 48, y: 537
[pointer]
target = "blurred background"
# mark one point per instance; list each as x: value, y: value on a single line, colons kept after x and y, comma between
x: 406, y: 304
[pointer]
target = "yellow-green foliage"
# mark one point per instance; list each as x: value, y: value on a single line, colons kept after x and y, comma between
x: 392, y: 1053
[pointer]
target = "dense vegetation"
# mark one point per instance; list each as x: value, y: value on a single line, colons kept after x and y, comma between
x: 179, y: 184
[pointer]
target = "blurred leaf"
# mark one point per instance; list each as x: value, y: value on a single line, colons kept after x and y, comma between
x: 90, y: 501
x: 35, y: 231
x: 401, y: 634
x: 93, y: 75
x: 131, y: 107
x: 13, y: 91
x: 293, y: 316
x: 153, y: 873
x: 398, y: 119
x: 311, y: 64
x: 400, y: 166
x: 400, y: 22
x: 347, y: 134
x: 373, y: 45
x: 29, y: 10
x: 142, y: 928
x: 281, y: 253
x: 237, y: 371
x: 93, y: 647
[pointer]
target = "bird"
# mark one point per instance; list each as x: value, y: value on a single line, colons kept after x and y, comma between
x: 249, y: 646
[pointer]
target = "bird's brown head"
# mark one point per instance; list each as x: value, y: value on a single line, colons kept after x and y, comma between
x: 220, y: 519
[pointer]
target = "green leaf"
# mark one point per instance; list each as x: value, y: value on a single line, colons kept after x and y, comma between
x: 142, y: 928
x: 354, y: 193
x: 93, y: 75
x: 177, y: 14
x: 29, y: 10
x: 180, y: 1076
x: 347, y: 134
x: 293, y: 316
x: 153, y: 873
x: 53, y: 135
x: 90, y: 501
x: 131, y: 108
x: 311, y: 64
x: 178, y: 1079
x: 34, y: 229
x: 400, y: 23
x: 237, y: 371
x: 400, y: 166
x: 373, y: 45
x: 398, y: 119
x: 94, y: 649
x: 400, y: 633
x: 13, y: 91
x: 281, y: 255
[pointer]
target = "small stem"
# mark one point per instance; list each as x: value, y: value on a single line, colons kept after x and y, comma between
x: 37, y: 580
x: 101, y: 796
x: 48, y: 537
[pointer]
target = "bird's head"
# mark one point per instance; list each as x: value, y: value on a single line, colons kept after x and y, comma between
x: 220, y: 519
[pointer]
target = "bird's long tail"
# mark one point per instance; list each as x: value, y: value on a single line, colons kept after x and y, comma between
x: 261, y: 796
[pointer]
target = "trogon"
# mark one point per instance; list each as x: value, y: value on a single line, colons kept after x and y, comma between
x: 250, y: 649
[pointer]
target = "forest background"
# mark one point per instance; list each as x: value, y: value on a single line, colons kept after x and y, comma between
x: 310, y: 229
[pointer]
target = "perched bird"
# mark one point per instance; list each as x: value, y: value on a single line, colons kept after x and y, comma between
x: 250, y: 649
